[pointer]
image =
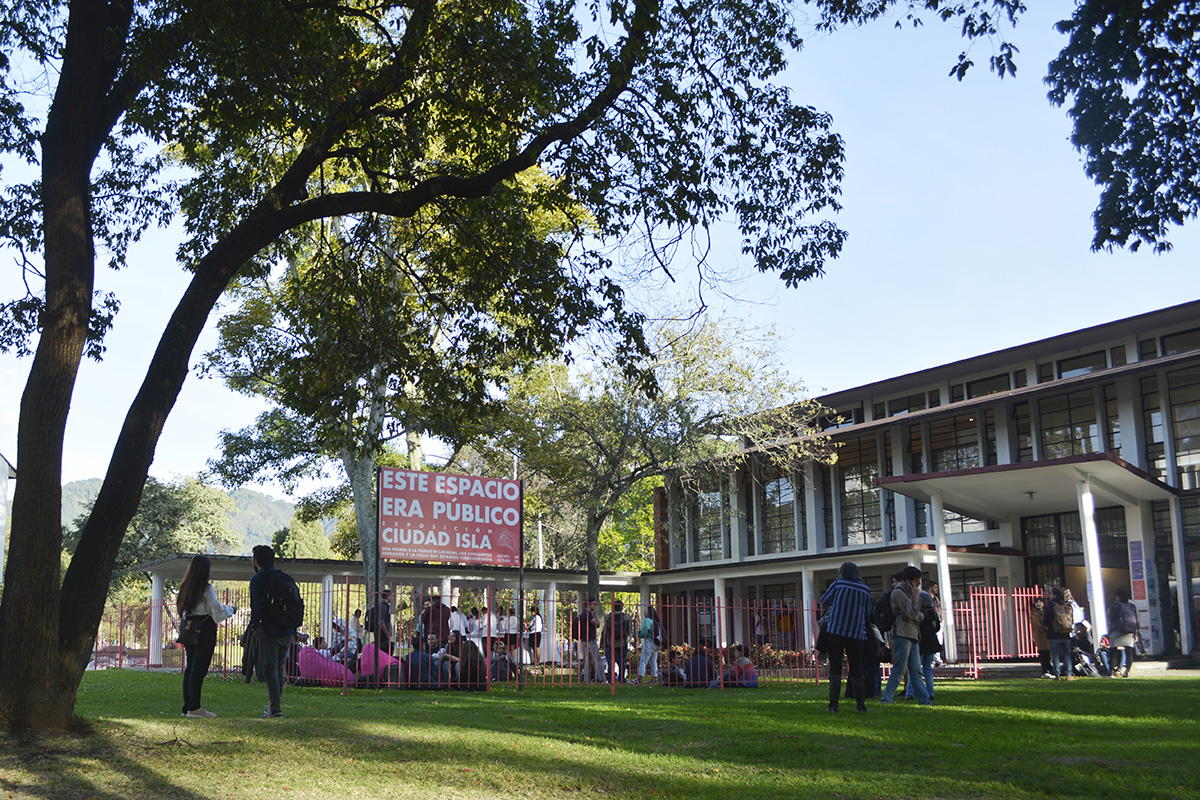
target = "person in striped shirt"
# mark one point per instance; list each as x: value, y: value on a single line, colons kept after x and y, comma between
x: 846, y: 604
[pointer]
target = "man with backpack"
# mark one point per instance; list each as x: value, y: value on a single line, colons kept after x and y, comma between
x: 1060, y: 624
x: 275, y: 605
x: 1122, y: 631
x: 906, y: 634
x: 615, y: 641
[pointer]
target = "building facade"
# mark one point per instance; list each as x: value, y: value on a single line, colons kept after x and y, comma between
x: 1072, y: 461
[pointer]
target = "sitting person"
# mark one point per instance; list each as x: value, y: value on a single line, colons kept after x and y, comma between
x: 1081, y: 643
x: 674, y: 674
x: 699, y: 669
x: 417, y: 670
x: 472, y: 671
x: 503, y: 669
x: 741, y: 673
x: 344, y: 648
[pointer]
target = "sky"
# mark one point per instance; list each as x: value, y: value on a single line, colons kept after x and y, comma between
x: 968, y: 211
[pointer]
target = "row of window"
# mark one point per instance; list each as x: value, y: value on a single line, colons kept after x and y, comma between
x: 1076, y: 423
x: 1070, y: 367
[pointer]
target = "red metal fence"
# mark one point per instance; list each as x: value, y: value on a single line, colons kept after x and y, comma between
x: 551, y: 640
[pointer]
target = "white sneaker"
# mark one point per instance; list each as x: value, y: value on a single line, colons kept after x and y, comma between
x: 200, y: 712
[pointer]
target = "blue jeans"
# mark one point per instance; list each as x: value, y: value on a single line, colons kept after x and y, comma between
x: 926, y: 675
x: 1060, y: 657
x: 906, y: 657
x: 274, y: 659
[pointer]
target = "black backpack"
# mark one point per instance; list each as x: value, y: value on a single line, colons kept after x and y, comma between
x: 284, y: 605
x: 885, y: 617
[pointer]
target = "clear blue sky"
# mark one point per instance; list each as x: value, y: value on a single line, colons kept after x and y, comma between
x: 969, y: 219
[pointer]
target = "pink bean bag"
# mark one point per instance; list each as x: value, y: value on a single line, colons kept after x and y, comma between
x: 374, y: 661
x: 318, y: 668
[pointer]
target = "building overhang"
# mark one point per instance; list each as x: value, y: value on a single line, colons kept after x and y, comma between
x: 1012, y: 491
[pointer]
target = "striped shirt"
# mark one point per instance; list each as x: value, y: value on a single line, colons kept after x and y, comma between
x: 846, y: 604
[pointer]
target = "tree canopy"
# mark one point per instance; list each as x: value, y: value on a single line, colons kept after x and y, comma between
x: 711, y: 390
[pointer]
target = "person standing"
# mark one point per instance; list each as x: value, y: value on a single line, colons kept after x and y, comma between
x: 197, y: 598
x: 1037, y: 621
x: 652, y: 638
x: 1060, y: 622
x: 1123, y: 630
x: 906, y: 634
x: 929, y: 644
x: 846, y: 605
x: 379, y: 621
x: 616, y: 641
x: 534, y: 627
x: 589, y: 652
x: 356, y: 629
x: 275, y: 640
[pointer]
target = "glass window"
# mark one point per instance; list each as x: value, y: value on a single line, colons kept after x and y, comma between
x: 1147, y: 350
x: 1118, y: 355
x: 1045, y: 373
x: 954, y: 443
x: 1020, y: 379
x: 777, y: 498
x: 1112, y: 419
x: 905, y: 405
x: 957, y: 523
x: 935, y: 398
x: 878, y: 411
x: 1041, y: 535
x: 1082, y: 365
x: 858, y: 470
x: 709, y: 512
x: 1152, y: 425
x: 956, y: 393
x: 1069, y: 426
x: 1184, y: 389
x: 916, y: 455
x: 1181, y: 342
x: 986, y: 386
x: 1024, y: 430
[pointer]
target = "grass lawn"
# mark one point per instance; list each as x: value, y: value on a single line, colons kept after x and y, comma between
x: 1092, y: 738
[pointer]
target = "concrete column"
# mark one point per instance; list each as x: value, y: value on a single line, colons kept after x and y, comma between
x: 550, y: 651
x: 155, y: 645
x: 808, y: 602
x: 736, y: 519
x: 1091, y: 559
x: 720, y: 613
x: 328, y: 610
x: 1181, y: 579
x: 1139, y: 535
x: 937, y: 517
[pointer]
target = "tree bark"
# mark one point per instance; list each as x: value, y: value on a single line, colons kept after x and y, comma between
x: 36, y: 684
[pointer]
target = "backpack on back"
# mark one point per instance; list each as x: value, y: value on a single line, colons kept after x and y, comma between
x: 284, y: 605
x: 1064, y: 618
x: 659, y: 639
x: 1127, y: 618
x: 885, y: 615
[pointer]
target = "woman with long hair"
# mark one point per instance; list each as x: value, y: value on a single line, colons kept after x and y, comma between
x: 197, y: 598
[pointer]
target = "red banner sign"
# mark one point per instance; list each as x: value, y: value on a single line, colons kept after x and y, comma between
x: 439, y: 516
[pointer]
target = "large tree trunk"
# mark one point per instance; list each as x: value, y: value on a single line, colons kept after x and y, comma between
x: 37, y: 687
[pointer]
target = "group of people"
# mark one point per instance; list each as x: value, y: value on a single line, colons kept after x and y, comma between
x: 853, y: 629
x: 1063, y: 636
x: 197, y: 599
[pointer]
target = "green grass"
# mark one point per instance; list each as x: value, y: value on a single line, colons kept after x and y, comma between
x: 1136, y: 738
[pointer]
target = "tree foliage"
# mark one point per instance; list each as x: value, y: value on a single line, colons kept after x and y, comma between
x: 182, y: 516
x: 302, y: 539
x: 710, y: 390
x: 1130, y: 74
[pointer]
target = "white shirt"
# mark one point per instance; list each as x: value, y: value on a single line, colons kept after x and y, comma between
x: 209, y: 606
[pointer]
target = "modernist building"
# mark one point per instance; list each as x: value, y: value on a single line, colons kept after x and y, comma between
x: 1071, y: 461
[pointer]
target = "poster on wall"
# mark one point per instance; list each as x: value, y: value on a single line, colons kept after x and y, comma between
x: 440, y: 516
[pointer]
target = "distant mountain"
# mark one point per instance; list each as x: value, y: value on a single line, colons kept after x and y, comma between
x: 258, y: 516
x: 77, y: 497
x: 255, y: 517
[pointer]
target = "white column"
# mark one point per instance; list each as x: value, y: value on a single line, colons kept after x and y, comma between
x: 154, y: 654
x: 447, y: 588
x: 937, y: 517
x: 1181, y: 579
x: 1139, y: 534
x: 550, y: 625
x: 808, y: 601
x: 327, y: 609
x: 721, y: 617
x: 1091, y: 559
